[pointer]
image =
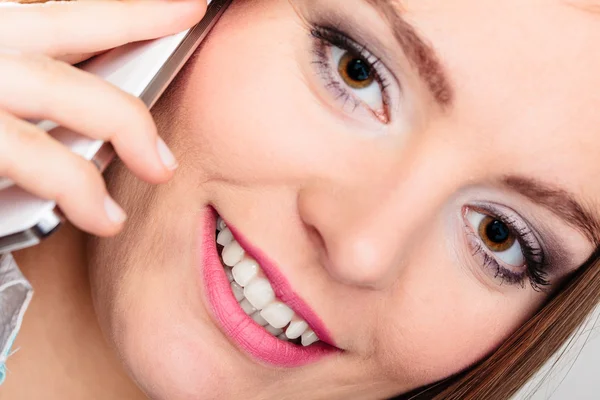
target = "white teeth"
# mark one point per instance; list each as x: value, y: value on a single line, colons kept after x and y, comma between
x: 255, y: 295
x: 259, y: 293
x: 273, y: 331
x: 229, y: 274
x: 245, y: 271
x: 232, y: 254
x: 277, y: 314
x: 221, y: 224
x: 225, y: 237
x: 247, y: 307
x: 259, y: 319
x: 296, y: 329
x: 238, y: 291
x: 309, y: 337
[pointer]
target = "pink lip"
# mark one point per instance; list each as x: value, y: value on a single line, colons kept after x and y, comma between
x: 238, y: 326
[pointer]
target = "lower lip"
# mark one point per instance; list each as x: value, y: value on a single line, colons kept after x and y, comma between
x: 239, y: 327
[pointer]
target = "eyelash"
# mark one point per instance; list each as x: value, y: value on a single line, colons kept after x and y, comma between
x: 533, y: 254
x: 326, y: 37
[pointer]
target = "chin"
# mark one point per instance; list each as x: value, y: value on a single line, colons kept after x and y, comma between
x: 175, y: 363
x: 170, y: 348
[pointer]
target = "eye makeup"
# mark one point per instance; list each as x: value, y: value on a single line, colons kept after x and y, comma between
x: 505, y: 245
x: 356, y: 66
x: 353, y: 74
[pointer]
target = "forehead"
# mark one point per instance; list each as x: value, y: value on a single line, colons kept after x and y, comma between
x: 526, y: 75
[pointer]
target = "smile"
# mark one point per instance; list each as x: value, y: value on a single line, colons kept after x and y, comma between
x: 254, y: 304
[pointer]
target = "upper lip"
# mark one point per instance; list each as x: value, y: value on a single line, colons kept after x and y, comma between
x: 282, y: 288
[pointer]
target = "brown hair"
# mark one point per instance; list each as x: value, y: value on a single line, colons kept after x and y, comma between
x: 515, y: 362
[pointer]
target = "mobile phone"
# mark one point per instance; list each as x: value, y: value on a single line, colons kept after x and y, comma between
x: 142, y: 69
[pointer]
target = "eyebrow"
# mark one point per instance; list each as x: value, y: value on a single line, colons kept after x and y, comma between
x: 560, y: 202
x: 420, y: 53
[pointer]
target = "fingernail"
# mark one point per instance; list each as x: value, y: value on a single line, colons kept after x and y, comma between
x: 114, y: 212
x: 167, y: 158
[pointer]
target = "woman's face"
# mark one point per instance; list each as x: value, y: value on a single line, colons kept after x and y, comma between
x: 412, y: 179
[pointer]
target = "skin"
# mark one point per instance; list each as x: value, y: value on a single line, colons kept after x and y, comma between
x: 364, y: 220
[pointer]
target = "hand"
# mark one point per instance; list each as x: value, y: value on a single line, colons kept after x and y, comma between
x: 37, y: 44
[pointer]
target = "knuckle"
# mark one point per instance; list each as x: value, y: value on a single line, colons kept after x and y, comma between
x: 53, y: 76
x: 10, y: 137
x: 26, y: 137
x: 43, y: 68
x: 50, y: 71
x: 30, y: 61
x: 38, y: 69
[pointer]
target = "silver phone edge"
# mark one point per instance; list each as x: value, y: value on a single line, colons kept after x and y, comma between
x: 183, y: 52
x: 51, y: 221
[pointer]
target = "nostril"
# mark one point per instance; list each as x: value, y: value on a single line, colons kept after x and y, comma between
x: 347, y: 236
x: 316, y: 238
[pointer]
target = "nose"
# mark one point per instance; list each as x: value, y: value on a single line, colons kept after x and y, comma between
x: 359, y: 231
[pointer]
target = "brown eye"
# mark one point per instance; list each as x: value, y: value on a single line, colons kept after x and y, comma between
x: 496, y: 235
x: 356, y: 72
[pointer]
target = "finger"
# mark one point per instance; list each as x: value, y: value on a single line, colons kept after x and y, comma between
x: 86, y: 104
x: 61, y: 28
x: 77, y: 58
x: 45, y: 168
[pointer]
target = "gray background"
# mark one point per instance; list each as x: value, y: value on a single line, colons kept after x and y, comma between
x: 577, y: 375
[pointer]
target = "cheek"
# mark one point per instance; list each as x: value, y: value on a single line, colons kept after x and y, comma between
x: 444, y: 320
x: 238, y: 97
x: 254, y: 114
